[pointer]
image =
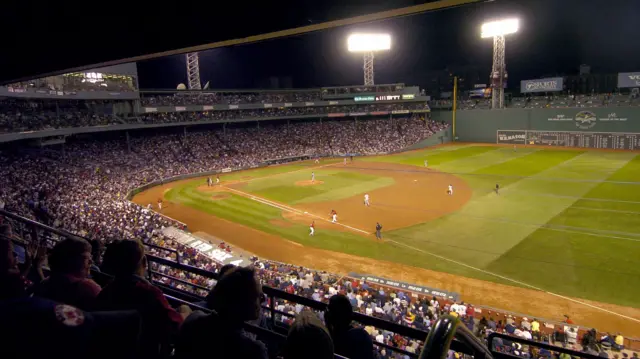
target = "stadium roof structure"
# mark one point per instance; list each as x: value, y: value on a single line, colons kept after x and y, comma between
x: 45, y: 40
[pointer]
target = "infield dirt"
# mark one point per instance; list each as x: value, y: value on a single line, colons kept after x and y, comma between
x: 414, y: 198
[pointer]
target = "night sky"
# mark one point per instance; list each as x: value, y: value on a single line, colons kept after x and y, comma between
x: 555, y: 37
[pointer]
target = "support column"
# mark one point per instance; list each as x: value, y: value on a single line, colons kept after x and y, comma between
x: 128, y: 141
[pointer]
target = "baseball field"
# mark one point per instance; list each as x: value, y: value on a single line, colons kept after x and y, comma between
x: 562, y: 235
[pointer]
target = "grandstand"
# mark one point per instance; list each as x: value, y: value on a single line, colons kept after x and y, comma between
x: 117, y: 237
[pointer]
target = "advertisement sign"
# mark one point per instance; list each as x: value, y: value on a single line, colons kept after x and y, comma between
x: 387, y: 98
x: 207, y: 108
x: 628, y: 79
x: 288, y: 104
x: 585, y: 120
x: 233, y: 107
x: 422, y: 111
x: 268, y: 105
x: 358, y: 114
x: 512, y: 137
x: 399, y: 112
x: 334, y: 102
x: 408, y: 96
x: 542, y: 85
x: 150, y: 109
x: 337, y: 114
x: 181, y: 108
x: 479, y: 86
x: 226, y: 170
x: 364, y: 98
x: 308, y: 103
x: 406, y: 286
x: 380, y: 113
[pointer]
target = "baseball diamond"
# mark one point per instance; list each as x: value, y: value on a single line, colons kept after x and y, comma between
x: 564, y: 225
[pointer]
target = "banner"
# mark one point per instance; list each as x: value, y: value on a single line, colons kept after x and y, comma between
x: 288, y: 104
x: 380, y: 113
x: 337, y: 114
x: 358, y: 114
x: 207, y: 108
x: 405, y: 286
x: 512, y: 137
x: 479, y: 86
x: 409, y: 96
x: 150, y: 109
x: 204, y: 246
x: 421, y: 111
x: 364, y: 98
x: 399, y: 112
x: 268, y: 105
x: 628, y: 79
x: 334, y: 102
x: 233, y: 107
x: 387, y: 98
x: 308, y: 104
x: 226, y: 170
x: 180, y: 108
x: 542, y: 85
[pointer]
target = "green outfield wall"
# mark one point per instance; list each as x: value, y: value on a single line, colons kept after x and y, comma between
x: 481, y: 125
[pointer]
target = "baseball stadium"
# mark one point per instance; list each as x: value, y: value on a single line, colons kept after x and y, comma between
x: 375, y: 220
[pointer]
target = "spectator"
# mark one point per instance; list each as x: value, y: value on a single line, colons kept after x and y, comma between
x: 235, y: 299
x: 12, y: 284
x: 353, y: 343
x: 308, y: 338
x: 125, y: 260
x: 70, y: 262
x: 207, y: 303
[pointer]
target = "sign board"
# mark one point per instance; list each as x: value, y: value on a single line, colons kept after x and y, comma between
x: 628, y: 79
x: 406, y: 286
x: 550, y: 84
x: 364, y: 98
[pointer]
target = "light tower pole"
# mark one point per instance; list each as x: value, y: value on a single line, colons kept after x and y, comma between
x: 193, y: 71
x: 498, y: 30
x: 368, y: 44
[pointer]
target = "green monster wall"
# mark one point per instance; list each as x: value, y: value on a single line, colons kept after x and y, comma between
x: 481, y: 125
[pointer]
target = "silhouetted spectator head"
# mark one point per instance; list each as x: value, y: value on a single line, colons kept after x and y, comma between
x: 308, y: 338
x: 96, y: 251
x: 339, y: 312
x: 223, y: 270
x: 8, y: 261
x: 11, y: 284
x: 71, y: 256
x: 237, y: 295
x: 124, y: 258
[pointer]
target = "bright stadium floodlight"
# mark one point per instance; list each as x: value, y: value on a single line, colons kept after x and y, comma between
x: 368, y: 44
x: 498, y: 30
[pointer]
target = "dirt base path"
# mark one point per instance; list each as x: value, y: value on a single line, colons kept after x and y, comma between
x: 535, y: 303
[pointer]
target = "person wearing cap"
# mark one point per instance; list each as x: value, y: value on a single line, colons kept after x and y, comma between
x: 129, y: 290
x: 353, y: 343
x: 525, y: 324
x: 39, y: 328
x: 70, y: 262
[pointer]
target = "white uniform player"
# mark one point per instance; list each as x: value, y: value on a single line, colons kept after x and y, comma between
x: 366, y: 199
x: 313, y: 176
x: 450, y: 190
x: 335, y: 218
x: 160, y: 205
x: 312, y: 229
x: 426, y: 164
x: 345, y: 161
x: 218, y: 180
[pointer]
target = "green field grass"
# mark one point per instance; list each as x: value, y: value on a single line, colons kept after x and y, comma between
x: 565, y: 221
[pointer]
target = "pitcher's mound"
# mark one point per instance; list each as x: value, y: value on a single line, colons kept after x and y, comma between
x: 308, y: 183
x: 219, y: 196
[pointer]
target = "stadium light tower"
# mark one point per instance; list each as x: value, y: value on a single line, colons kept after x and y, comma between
x: 498, y: 30
x: 369, y: 44
x: 193, y: 71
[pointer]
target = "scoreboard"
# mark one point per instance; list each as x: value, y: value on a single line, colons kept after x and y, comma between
x: 611, y: 140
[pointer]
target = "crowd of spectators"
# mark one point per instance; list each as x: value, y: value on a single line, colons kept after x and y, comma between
x: 84, y: 192
x: 228, y: 98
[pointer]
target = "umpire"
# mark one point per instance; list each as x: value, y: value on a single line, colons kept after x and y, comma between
x: 378, y: 230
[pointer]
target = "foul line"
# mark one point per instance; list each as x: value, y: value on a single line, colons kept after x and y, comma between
x: 279, y: 174
x: 297, y: 211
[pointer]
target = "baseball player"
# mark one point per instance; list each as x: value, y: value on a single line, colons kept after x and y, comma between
x: 312, y: 229
x: 209, y: 182
x: 313, y: 177
x: 497, y: 188
x: 366, y: 199
x: 378, y: 230
x: 317, y: 160
x: 217, y: 179
x: 334, y: 216
x: 426, y: 163
x: 160, y: 204
x: 514, y: 148
x: 345, y: 161
x: 450, y: 190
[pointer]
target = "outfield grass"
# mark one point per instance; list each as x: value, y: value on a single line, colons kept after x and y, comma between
x: 565, y: 221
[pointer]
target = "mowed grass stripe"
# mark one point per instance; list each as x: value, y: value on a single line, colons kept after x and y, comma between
x: 434, y: 157
x: 477, y: 162
x: 582, y: 265
x: 467, y: 235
